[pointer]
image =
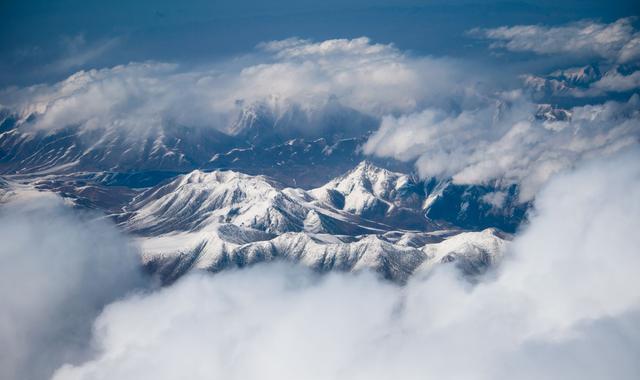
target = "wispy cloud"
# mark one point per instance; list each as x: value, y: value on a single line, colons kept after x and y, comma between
x: 76, y: 52
x: 615, y: 42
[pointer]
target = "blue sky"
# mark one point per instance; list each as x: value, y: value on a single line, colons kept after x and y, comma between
x: 44, y: 41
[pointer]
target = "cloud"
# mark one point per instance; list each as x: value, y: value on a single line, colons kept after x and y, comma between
x: 296, y: 47
x: 502, y: 141
x: 611, y: 82
x: 77, y: 52
x: 370, y: 78
x: 615, y: 42
x: 565, y: 304
x: 57, y: 270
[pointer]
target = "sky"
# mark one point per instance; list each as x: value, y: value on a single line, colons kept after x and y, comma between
x: 44, y: 41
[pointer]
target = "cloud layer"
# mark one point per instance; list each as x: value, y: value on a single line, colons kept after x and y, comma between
x: 565, y: 304
x: 371, y: 78
x: 503, y: 141
x: 57, y: 270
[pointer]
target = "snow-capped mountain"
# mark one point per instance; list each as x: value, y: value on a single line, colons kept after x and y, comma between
x: 577, y: 76
x: 274, y: 120
x: 562, y: 82
x: 568, y: 86
x: 72, y: 149
x: 197, y: 198
x: 296, y: 162
x: 149, y: 155
x: 405, y: 201
x: 378, y: 194
x: 230, y: 247
x: 473, y: 252
x: 227, y: 219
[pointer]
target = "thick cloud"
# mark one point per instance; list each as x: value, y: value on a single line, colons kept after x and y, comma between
x: 371, y: 78
x: 615, y: 42
x: 502, y: 141
x: 565, y: 305
x: 57, y: 270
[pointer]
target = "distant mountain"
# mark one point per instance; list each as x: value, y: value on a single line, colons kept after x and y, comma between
x: 72, y: 149
x: 296, y: 162
x: 273, y: 121
x: 583, y: 85
x: 562, y: 82
x: 140, y: 158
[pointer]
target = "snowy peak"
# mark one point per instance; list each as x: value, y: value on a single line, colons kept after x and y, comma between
x: 376, y: 193
x: 276, y: 119
x: 472, y: 252
x: 377, y: 181
x: 220, y: 219
x: 548, y: 112
x: 203, y: 200
x: 198, y: 199
x: 362, y: 188
x: 579, y: 76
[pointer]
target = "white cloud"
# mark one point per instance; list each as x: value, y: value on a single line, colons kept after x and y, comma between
x: 503, y: 141
x: 295, y: 47
x: 616, y: 42
x: 57, y: 270
x: 373, y: 79
x: 495, y: 199
x: 565, y: 304
x: 612, y: 81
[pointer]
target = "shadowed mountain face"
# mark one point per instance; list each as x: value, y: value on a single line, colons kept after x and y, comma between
x: 312, y: 146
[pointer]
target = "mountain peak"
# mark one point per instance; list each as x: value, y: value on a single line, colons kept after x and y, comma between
x: 375, y: 193
x: 369, y: 178
x: 198, y: 199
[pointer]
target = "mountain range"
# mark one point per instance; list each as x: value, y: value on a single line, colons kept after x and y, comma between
x: 199, y: 199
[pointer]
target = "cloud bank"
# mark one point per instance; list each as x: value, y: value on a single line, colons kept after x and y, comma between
x: 565, y: 304
x: 615, y: 42
x: 371, y: 78
x: 57, y: 270
x: 611, y: 82
x: 503, y: 141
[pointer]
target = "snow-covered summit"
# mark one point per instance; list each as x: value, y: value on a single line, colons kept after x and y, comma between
x: 219, y: 219
x: 196, y: 199
x: 371, y: 191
